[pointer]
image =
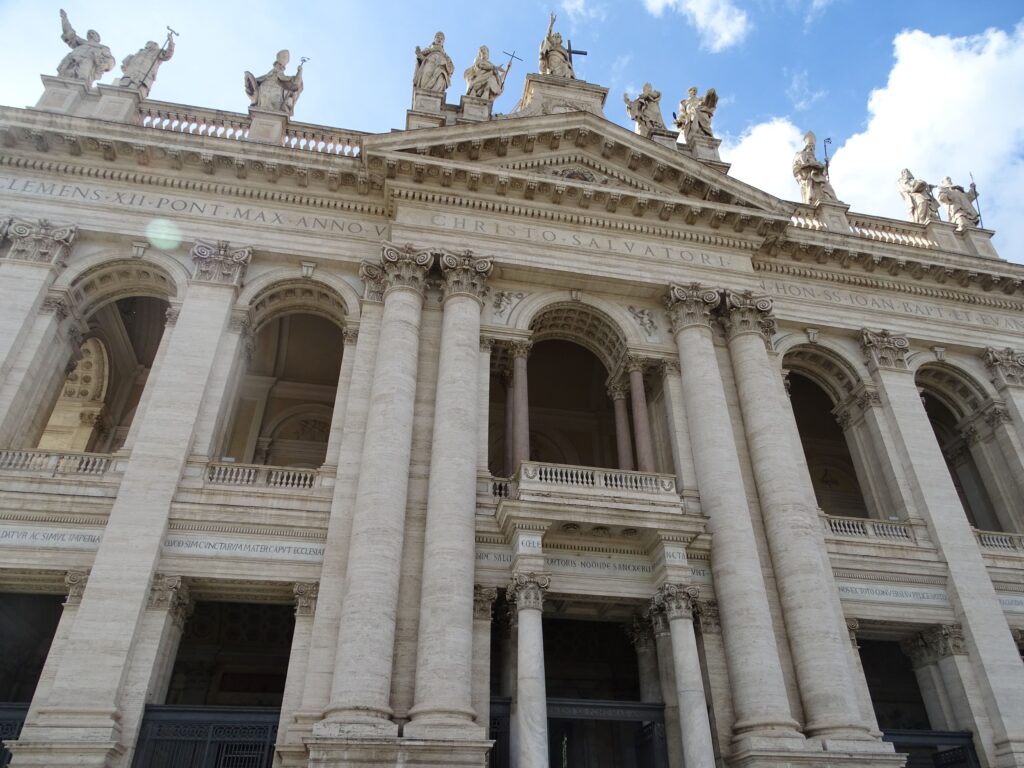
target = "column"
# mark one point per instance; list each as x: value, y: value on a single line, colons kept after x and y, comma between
x: 646, y: 660
x: 520, y: 405
x: 170, y: 318
x: 84, y: 706
x: 993, y: 655
x: 675, y: 601
x: 531, y: 744
x: 860, y: 683
x: 1007, y: 369
x: 362, y: 674
x: 820, y: 645
x: 641, y: 420
x: 510, y: 427
x: 623, y: 441
x: 682, y: 451
x: 483, y: 418
x: 209, y: 428
x: 348, y: 359
x: 712, y: 649
x: 755, y: 672
x: 669, y: 694
x: 443, y: 703
x: 483, y: 605
x: 305, y: 593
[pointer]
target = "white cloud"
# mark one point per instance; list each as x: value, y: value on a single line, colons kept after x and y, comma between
x: 799, y: 91
x: 763, y: 154
x: 584, y: 10
x: 720, y: 23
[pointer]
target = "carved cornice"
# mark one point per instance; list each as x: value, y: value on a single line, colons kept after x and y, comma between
x: 465, y: 275
x: 305, y: 593
x: 74, y: 582
x: 171, y: 594
x: 747, y: 312
x: 884, y: 349
x: 690, y: 305
x: 675, y: 600
x: 1006, y: 365
x: 40, y: 242
x: 219, y: 262
x: 404, y: 267
x: 527, y: 590
x: 483, y: 602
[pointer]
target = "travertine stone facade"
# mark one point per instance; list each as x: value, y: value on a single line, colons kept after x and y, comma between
x: 549, y: 371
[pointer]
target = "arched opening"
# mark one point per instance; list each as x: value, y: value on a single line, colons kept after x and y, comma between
x: 285, y: 396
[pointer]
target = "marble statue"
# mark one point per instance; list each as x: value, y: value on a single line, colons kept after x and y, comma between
x: 139, y: 69
x: 959, y: 203
x: 89, y: 60
x: 485, y: 79
x: 921, y: 205
x: 433, y: 67
x: 554, y: 57
x: 810, y: 174
x: 275, y: 91
x: 695, y: 113
x: 645, y: 110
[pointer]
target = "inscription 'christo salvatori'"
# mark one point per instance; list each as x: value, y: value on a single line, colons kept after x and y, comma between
x: 577, y: 240
x: 171, y: 204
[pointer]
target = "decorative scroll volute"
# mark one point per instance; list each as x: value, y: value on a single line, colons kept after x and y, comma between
x: 691, y: 304
x: 465, y: 274
x: 405, y: 267
x: 483, y: 601
x: 1007, y: 365
x: 674, y: 600
x: 747, y: 312
x: 527, y: 590
x: 41, y: 242
x: 885, y: 349
x: 219, y: 262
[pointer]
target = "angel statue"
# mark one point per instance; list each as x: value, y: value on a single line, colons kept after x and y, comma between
x: 88, y: 60
x: 554, y: 57
x: 275, y: 91
x: 917, y: 193
x: 695, y: 113
x: 645, y: 110
x: 485, y: 79
x: 139, y: 69
x: 959, y: 203
x: 433, y: 67
x: 810, y: 173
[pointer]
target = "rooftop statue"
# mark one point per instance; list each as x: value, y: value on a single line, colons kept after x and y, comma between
x: 139, y: 69
x: 695, y: 113
x: 275, y: 91
x: 810, y: 173
x: 88, y: 60
x: 959, y: 203
x: 554, y: 57
x: 485, y: 79
x: 921, y: 206
x: 433, y: 67
x: 645, y: 110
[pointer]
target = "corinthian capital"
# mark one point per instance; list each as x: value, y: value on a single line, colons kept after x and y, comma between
x: 748, y: 312
x: 1007, y: 365
x: 170, y: 593
x: 690, y: 305
x: 465, y: 274
x: 483, y: 602
x: 676, y: 600
x: 641, y: 633
x: 306, y: 593
x: 40, y: 242
x: 405, y: 266
x: 219, y: 262
x: 75, y: 582
x: 885, y: 349
x: 527, y: 590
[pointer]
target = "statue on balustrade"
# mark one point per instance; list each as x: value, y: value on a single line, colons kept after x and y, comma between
x: 554, y: 57
x: 139, y: 69
x: 275, y: 91
x: 695, y: 113
x: 485, y: 79
x: 811, y: 174
x: 433, y: 67
x: 921, y: 205
x: 89, y: 59
x: 959, y: 203
x: 645, y: 111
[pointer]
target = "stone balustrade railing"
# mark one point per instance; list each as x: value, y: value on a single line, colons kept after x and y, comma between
x: 179, y: 119
x: 595, y: 481
x: 887, y: 231
x: 1001, y: 542
x: 866, y: 528
x: 261, y: 476
x: 318, y: 138
x: 55, y: 462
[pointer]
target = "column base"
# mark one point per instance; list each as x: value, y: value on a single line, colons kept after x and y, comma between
x: 408, y: 753
x: 1009, y: 754
x: 66, y: 738
x: 370, y: 728
x: 440, y: 727
x: 63, y: 754
x: 815, y: 753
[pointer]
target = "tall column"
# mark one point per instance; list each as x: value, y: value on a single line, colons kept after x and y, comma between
x: 84, y: 706
x: 1007, y: 369
x: 531, y: 745
x: 306, y: 594
x: 348, y: 360
x: 682, y: 450
x: 755, y: 671
x: 209, y: 427
x: 520, y: 405
x: 820, y: 645
x: 483, y: 607
x: 860, y: 683
x: 510, y: 425
x: 444, y: 670
x: 709, y: 643
x: 483, y: 406
x: 170, y: 318
x: 642, y: 636
x: 675, y: 601
x: 623, y: 441
x: 993, y: 655
x: 641, y: 419
x: 362, y: 674
x: 669, y: 692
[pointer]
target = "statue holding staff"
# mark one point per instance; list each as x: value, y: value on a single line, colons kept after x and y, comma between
x: 89, y: 59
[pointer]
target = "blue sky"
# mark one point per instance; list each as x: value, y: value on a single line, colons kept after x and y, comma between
x: 933, y: 86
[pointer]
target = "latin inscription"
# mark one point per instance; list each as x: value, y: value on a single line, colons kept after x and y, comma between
x: 887, y: 593
x: 274, y: 550
x: 170, y: 204
x: 60, y: 538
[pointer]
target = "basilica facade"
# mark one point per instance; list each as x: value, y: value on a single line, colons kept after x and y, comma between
x: 510, y: 440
